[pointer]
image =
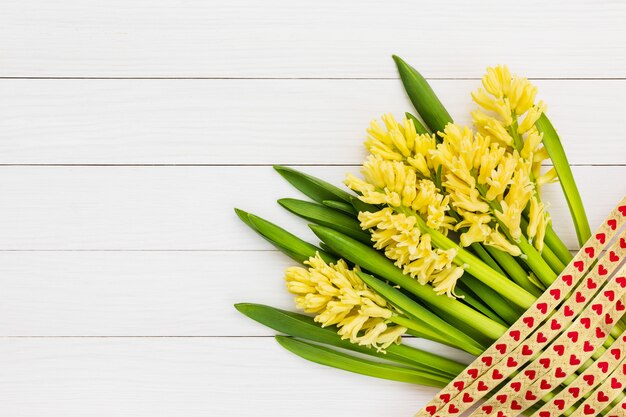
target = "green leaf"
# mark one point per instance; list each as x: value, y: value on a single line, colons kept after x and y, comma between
x: 373, y: 261
x: 340, y: 360
x: 362, y: 207
x: 314, y: 188
x: 423, y: 97
x: 419, y: 127
x: 326, y: 216
x: 412, y: 309
x: 290, y: 244
x: 552, y: 143
x: 304, y: 327
x: 341, y: 206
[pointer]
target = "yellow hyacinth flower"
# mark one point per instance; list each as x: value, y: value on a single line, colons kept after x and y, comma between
x: 337, y: 296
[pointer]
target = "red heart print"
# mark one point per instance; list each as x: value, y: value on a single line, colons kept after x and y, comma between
x: 530, y: 396
x: 604, y: 366
x: 516, y: 406
x: 530, y: 374
x: 543, y: 307
x: 496, y: 374
x: 580, y: 298
x: 573, y: 336
x: 515, y: 335
x: 600, y: 333
x: 589, y: 410
x: 459, y: 385
x: 501, y: 347
x: 502, y: 398
x: 559, y: 373
x: 431, y: 409
x: 555, y: 325
x: 574, y: 361
x: 487, y: 360
x: 580, y: 265
x: 587, y: 346
x: 467, y: 398
x: 616, y: 353
x: 482, y: 386
x: 608, y: 319
x: 602, y: 397
x: 541, y: 338
x: 545, y: 362
x: 612, y: 224
x: 511, y: 363
x: 622, y: 243
x: 621, y: 281
x: 555, y: 293
x: 619, y: 306
x: 591, y: 284
x: 526, y: 351
x: 501, y: 414
x: 453, y: 409
x: 488, y: 409
x: 568, y: 312
x: 615, y: 384
x: 575, y: 391
x: 545, y: 414
x: 516, y: 386
x: 445, y: 398
x: 568, y: 279
x: 602, y: 270
x: 560, y: 404
x: 589, y: 379
x: 601, y: 237
x: 610, y: 295
x: 544, y: 385
x: 559, y: 349
x: 473, y: 372
x: 586, y: 321
x: 597, y: 308
x: 622, y: 209
x: 613, y: 257
x: 529, y: 321
x: 590, y: 251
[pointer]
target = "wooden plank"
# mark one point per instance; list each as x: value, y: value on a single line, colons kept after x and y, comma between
x: 243, y: 38
x: 190, y: 208
x: 190, y: 377
x: 258, y: 121
x: 138, y: 293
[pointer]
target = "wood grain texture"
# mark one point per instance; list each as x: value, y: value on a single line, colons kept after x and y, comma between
x: 242, y: 38
x: 258, y: 121
x: 190, y: 208
x: 167, y: 377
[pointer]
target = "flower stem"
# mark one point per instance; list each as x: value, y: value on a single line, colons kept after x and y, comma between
x: 514, y: 270
x: 553, y: 145
x: 558, y: 247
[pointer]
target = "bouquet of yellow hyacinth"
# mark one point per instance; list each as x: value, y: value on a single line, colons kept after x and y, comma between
x: 444, y: 235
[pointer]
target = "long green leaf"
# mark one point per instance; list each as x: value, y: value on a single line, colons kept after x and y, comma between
x: 288, y: 243
x: 314, y: 188
x: 412, y: 309
x: 304, y: 327
x: 373, y: 261
x: 326, y: 216
x: 423, y: 97
x: 552, y: 143
x: 340, y: 360
x: 341, y: 206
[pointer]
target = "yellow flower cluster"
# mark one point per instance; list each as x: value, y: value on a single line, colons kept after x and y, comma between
x: 337, y: 296
x: 509, y: 117
x: 402, y: 240
x: 394, y: 228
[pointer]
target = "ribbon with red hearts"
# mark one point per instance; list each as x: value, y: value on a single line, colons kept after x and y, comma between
x: 619, y: 410
x: 602, y: 397
x: 480, y: 377
x: 587, y: 381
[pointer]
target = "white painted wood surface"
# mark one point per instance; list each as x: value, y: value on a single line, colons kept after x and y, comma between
x: 129, y: 129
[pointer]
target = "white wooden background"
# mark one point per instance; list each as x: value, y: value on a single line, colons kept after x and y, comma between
x: 130, y: 128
